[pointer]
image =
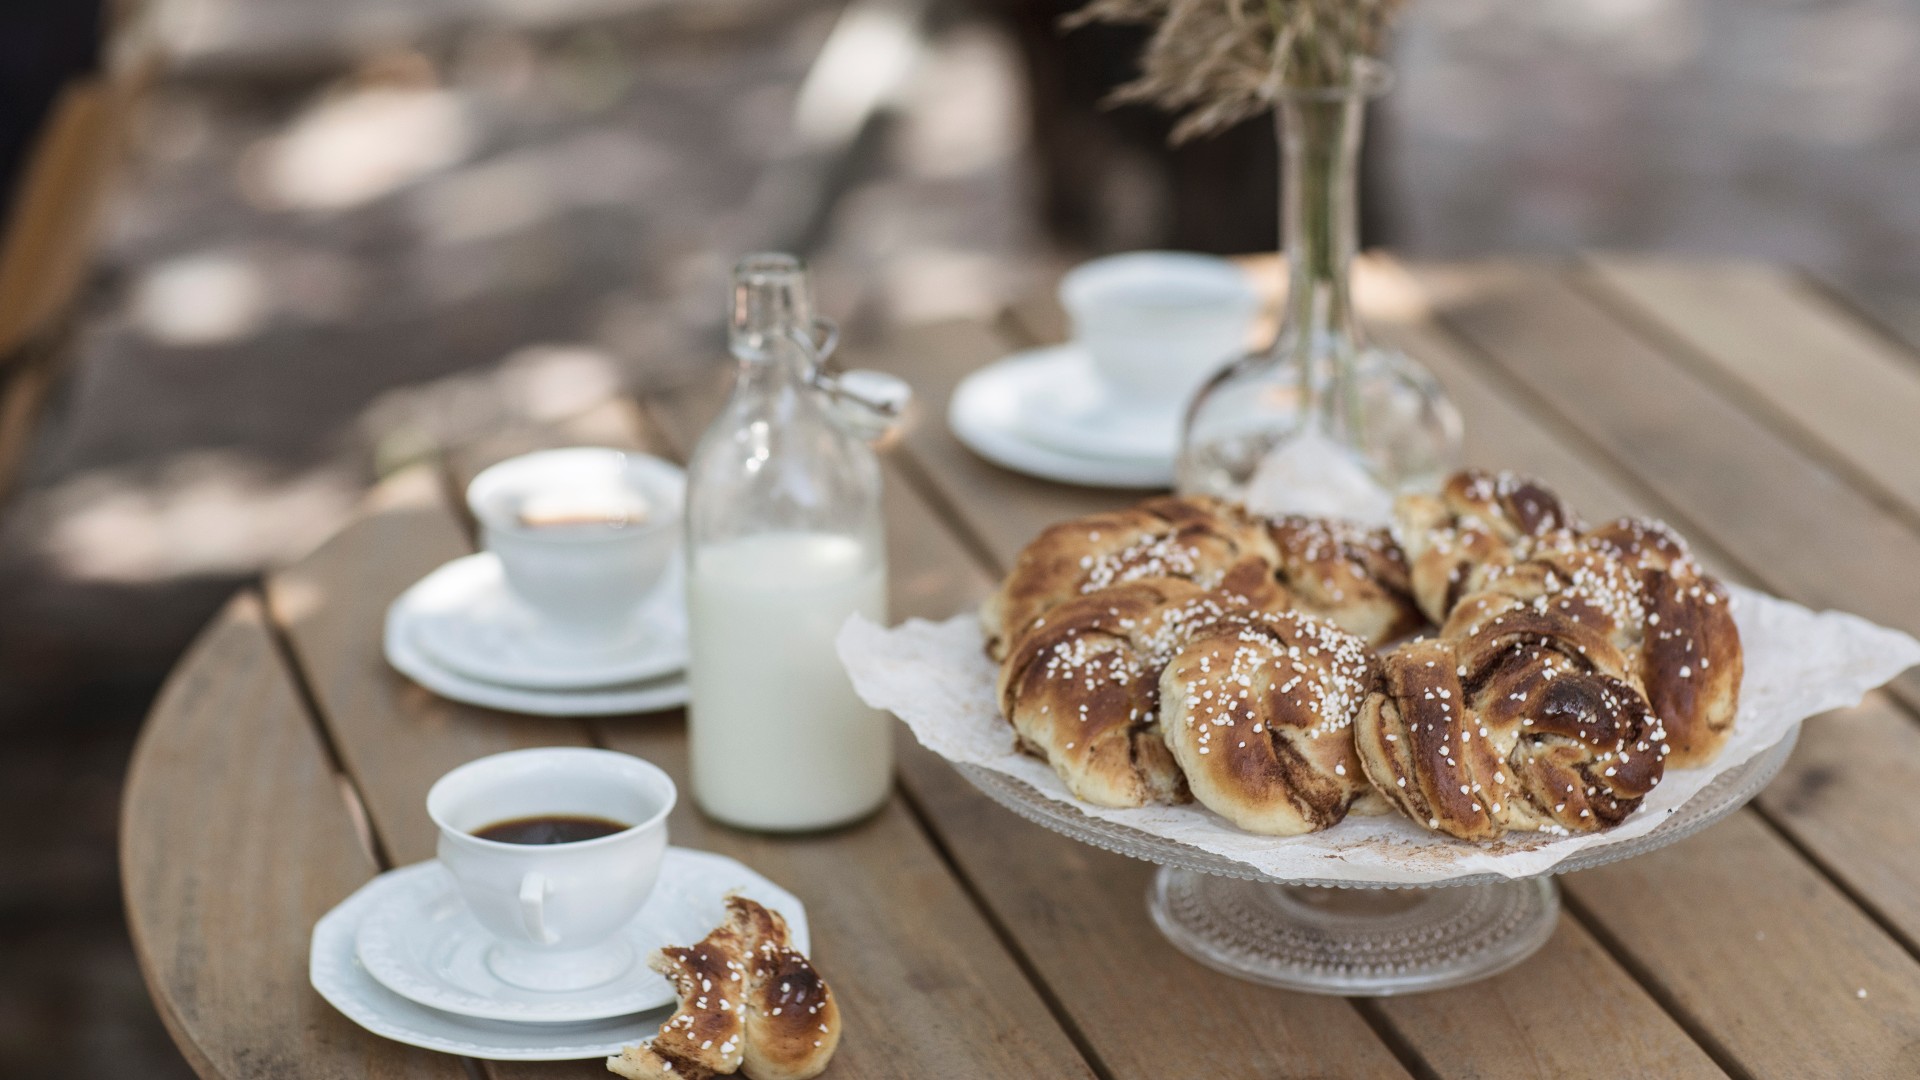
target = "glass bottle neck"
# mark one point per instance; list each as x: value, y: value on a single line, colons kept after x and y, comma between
x: 1320, y: 149
x: 784, y: 364
x: 770, y: 318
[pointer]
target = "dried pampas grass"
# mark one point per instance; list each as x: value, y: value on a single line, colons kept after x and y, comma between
x: 1226, y: 60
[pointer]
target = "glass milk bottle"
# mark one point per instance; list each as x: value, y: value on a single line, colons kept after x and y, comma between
x: 784, y: 542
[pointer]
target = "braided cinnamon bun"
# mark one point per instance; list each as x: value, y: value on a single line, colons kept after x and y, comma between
x: 1689, y: 658
x: 1594, y: 593
x: 1635, y: 582
x: 1528, y: 722
x: 1633, y: 579
x: 1186, y: 649
x: 1082, y: 689
x: 749, y: 1002
x: 1258, y: 713
x: 1477, y: 519
x: 1193, y: 538
x: 1353, y: 576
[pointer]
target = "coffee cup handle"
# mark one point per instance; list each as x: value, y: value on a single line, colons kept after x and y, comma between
x: 534, y: 888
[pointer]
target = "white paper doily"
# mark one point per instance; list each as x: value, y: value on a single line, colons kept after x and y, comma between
x: 937, y: 678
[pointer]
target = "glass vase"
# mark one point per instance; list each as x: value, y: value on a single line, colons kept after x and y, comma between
x: 1321, y: 399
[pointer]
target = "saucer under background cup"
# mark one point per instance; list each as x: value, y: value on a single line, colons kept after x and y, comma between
x: 991, y: 414
x: 466, y: 618
x: 408, y: 654
x: 1065, y: 406
x: 1151, y: 328
x: 402, y: 649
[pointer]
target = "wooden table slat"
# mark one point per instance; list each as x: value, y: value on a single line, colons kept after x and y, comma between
x: 1544, y: 1027
x: 1833, y: 799
x: 1762, y: 954
x: 1825, y: 380
x: 228, y: 776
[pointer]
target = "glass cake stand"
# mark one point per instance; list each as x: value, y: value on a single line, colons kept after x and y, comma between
x: 1361, y: 938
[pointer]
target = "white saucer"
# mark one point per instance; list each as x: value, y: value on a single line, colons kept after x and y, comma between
x: 407, y: 657
x: 989, y: 414
x: 338, y: 977
x: 1065, y: 405
x: 418, y: 939
x: 467, y: 620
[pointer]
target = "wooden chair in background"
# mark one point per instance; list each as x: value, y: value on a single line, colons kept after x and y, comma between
x: 50, y: 222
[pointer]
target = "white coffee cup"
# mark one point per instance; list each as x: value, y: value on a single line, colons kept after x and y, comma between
x: 554, y: 907
x: 1158, y: 324
x: 582, y: 534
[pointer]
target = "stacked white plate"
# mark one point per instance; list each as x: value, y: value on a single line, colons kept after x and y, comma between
x: 462, y: 634
x: 1106, y: 409
x: 1046, y: 413
x: 403, y: 958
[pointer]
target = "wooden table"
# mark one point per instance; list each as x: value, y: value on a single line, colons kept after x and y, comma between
x: 285, y: 763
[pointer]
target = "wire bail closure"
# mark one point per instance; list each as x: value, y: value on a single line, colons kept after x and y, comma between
x: 870, y: 404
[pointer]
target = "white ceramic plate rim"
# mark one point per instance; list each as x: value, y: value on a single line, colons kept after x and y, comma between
x: 709, y: 873
x: 1096, y: 426
x: 590, y: 673
x: 336, y: 975
x: 986, y: 427
x: 407, y: 658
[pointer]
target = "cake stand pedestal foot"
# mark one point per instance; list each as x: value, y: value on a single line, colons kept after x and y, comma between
x: 1353, y: 942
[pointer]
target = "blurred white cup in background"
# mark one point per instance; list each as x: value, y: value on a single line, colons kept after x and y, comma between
x: 1158, y: 324
x: 582, y: 535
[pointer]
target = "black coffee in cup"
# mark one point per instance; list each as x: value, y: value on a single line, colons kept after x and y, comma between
x: 550, y: 829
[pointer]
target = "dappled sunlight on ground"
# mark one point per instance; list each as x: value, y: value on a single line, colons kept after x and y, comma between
x: 201, y: 513
x: 534, y: 383
x: 872, y: 51
x: 965, y: 112
x: 1777, y: 131
x: 944, y: 227
x: 204, y: 298
x: 348, y: 150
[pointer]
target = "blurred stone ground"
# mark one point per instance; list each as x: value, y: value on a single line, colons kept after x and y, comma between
x: 1778, y: 129
x: 358, y: 229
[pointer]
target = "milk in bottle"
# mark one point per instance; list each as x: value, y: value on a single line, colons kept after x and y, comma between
x: 784, y: 543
